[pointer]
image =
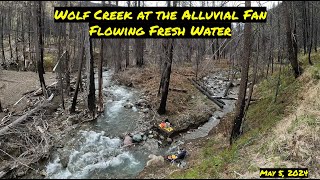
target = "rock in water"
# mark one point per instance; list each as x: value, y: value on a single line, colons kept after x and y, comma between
x: 128, y: 105
x: 137, y: 137
x: 150, y: 136
x: 145, y: 110
x: 127, y: 140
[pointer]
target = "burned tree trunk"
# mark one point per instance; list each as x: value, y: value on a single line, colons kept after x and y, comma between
x: 75, y: 96
x: 239, y: 114
x: 166, y: 83
x: 39, y: 47
x: 2, y: 41
x: 292, y: 57
x: 90, y: 75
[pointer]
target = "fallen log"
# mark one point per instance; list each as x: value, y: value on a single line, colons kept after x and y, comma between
x: 25, y: 116
x: 208, y: 91
x: 178, y: 90
x: 218, y: 103
x: 230, y: 98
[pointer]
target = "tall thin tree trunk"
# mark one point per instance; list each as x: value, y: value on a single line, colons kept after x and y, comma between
x: 166, y: 83
x: 100, y: 80
x: 239, y: 114
x: 68, y: 52
x: 90, y: 75
x: 2, y: 41
x: 39, y: 48
x: 292, y: 57
x: 23, y: 42
x: 75, y: 96
x: 10, y: 45
x: 311, y: 26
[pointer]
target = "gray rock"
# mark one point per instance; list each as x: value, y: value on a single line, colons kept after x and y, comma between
x: 64, y: 159
x: 128, y: 105
x: 161, y: 137
x: 137, y: 137
x: 169, y: 140
x: 150, y: 136
x: 151, y: 145
x: 144, y: 137
x: 150, y: 132
x: 145, y: 110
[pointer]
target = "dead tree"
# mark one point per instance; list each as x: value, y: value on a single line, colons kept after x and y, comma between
x: 311, y: 26
x: 90, y: 75
x: 239, y: 114
x: 75, y: 96
x: 2, y: 41
x: 67, y: 46
x: 290, y: 46
x: 100, y: 80
x: 167, y: 74
x: 39, y: 47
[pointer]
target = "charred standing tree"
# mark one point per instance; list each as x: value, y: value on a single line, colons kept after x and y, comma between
x: 291, y: 54
x: 2, y: 41
x: 91, y: 100
x: 100, y: 80
x: 67, y: 47
x: 311, y: 26
x: 241, y: 102
x: 75, y: 96
x: 127, y: 53
x: 139, y: 46
x: 167, y: 74
x: 39, y: 47
x: 1, y: 110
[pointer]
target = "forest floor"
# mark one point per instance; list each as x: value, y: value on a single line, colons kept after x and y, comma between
x: 14, y: 83
x: 277, y: 134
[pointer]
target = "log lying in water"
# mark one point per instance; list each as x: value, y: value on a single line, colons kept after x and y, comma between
x: 203, y: 91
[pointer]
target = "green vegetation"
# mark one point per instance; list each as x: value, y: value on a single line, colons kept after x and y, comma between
x: 261, y: 118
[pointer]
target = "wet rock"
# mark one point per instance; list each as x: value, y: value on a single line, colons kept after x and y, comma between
x: 134, y: 109
x: 43, y: 172
x: 161, y: 137
x: 145, y: 110
x: 169, y: 140
x: 64, y: 161
x: 137, y: 137
x: 150, y: 136
x: 128, y: 105
x: 127, y: 140
x: 144, y: 137
x: 151, y: 145
x: 141, y: 102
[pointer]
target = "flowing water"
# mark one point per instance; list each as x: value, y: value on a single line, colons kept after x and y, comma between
x: 96, y: 152
x: 217, y: 84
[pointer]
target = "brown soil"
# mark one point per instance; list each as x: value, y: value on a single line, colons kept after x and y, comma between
x: 14, y: 83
